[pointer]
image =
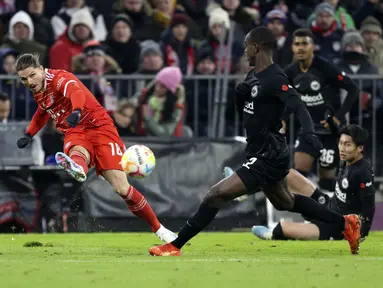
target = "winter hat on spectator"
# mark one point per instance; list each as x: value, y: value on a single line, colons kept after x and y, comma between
x: 84, y: 17
x: 325, y: 7
x: 205, y: 53
x: 94, y: 48
x: 21, y: 17
x: 179, y: 18
x: 170, y: 77
x: 352, y: 37
x: 371, y: 24
x: 276, y: 14
x: 122, y: 17
x: 150, y: 47
x: 219, y: 16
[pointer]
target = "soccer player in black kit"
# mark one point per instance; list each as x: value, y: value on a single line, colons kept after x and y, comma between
x: 354, y: 193
x: 262, y: 98
x: 318, y: 82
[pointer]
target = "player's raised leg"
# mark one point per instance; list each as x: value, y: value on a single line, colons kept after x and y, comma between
x: 75, y: 163
x: 225, y: 190
x: 283, y: 200
x: 137, y: 203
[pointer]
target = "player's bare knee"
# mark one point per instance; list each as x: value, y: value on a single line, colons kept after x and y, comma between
x: 118, y: 182
x: 213, y: 197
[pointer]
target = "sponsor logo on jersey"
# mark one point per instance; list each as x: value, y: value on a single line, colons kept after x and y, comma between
x: 59, y: 83
x: 249, y: 107
x: 313, y: 100
x: 364, y: 185
x: 339, y: 194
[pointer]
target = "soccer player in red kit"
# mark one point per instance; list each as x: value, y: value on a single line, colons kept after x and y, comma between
x: 91, y: 139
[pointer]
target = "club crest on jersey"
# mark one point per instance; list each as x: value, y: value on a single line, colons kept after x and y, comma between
x: 315, y: 85
x: 254, y: 91
x: 344, y: 183
x: 336, y: 46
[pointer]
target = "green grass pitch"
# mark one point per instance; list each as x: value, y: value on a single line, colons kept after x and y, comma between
x: 211, y: 260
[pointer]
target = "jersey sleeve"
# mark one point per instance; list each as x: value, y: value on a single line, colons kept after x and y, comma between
x: 339, y: 79
x: 363, y: 180
x: 68, y: 85
x: 39, y: 119
x: 290, y: 97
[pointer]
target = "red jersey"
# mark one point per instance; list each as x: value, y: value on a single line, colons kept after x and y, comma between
x: 63, y: 92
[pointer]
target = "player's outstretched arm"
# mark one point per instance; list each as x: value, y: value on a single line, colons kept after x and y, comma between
x: 39, y: 119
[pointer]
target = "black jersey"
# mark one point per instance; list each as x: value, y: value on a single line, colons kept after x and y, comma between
x: 354, y: 190
x: 319, y: 86
x: 263, y: 106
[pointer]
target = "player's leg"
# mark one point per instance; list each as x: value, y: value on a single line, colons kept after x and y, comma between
x: 288, y: 230
x: 328, y: 163
x: 303, y: 163
x: 137, y: 203
x: 225, y: 190
x: 77, y: 156
x: 282, y: 199
x: 298, y: 184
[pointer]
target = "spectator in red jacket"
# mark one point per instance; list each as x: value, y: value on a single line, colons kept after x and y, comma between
x: 72, y: 41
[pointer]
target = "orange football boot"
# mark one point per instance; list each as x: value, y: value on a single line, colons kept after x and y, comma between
x: 165, y: 250
x: 352, y: 232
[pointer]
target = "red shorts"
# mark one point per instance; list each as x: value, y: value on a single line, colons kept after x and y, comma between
x: 103, y: 144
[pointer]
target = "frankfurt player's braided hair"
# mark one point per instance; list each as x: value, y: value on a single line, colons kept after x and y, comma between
x: 27, y: 60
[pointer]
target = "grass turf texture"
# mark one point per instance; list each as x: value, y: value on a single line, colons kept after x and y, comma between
x: 212, y: 260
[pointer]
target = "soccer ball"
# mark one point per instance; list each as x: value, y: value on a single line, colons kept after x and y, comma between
x: 138, y: 161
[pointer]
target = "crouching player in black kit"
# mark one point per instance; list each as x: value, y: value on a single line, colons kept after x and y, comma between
x: 262, y: 98
x: 354, y: 193
x: 318, y: 82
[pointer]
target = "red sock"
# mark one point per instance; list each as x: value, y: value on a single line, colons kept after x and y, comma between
x: 138, y: 205
x: 80, y: 159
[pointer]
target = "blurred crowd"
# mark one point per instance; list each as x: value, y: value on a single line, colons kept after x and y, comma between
x: 174, y: 41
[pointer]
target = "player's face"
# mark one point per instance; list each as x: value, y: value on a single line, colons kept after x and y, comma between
x: 303, y: 48
x: 250, y: 51
x: 33, y: 78
x: 348, y: 150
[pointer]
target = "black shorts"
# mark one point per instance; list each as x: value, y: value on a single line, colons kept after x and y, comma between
x: 329, y: 157
x: 257, y: 172
x: 328, y: 231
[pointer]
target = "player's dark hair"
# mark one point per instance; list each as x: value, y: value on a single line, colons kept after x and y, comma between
x: 303, y: 32
x: 358, y: 134
x: 4, y: 97
x: 264, y: 37
x: 27, y: 60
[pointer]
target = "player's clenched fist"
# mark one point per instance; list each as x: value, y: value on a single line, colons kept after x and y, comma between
x: 74, y: 118
x: 24, y: 141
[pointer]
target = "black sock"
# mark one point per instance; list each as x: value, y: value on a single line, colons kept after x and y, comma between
x: 278, y: 233
x: 196, y: 224
x: 304, y: 173
x: 327, y: 184
x: 313, y: 210
x: 320, y: 197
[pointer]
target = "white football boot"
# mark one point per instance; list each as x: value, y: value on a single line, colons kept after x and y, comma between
x: 75, y: 170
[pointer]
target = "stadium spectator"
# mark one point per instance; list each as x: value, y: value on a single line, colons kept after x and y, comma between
x: 245, y: 18
x: 7, y: 6
x: 354, y: 61
x: 123, y: 118
x: 327, y: 32
x: 341, y: 16
x: 178, y: 49
x: 276, y: 21
x: 219, y: 27
x: 138, y: 11
x: 151, y: 58
x: 93, y: 61
x: 163, y: 11
x: 72, y: 42
x: 43, y: 29
x: 162, y: 108
x: 371, y: 31
x: 21, y: 96
x: 5, y: 107
x: 21, y: 36
x: 63, y: 18
x: 122, y: 46
x: 369, y: 8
